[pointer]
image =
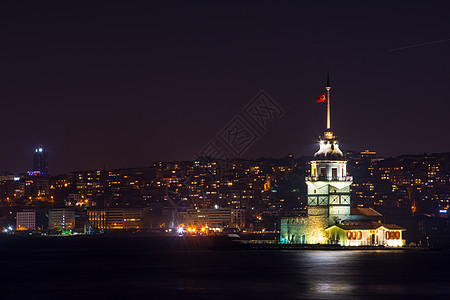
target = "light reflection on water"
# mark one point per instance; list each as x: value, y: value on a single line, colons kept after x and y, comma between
x: 369, y: 274
x: 149, y: 274
x: 327, y: 273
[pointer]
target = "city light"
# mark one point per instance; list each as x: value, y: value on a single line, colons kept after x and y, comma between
x: 163, y: 169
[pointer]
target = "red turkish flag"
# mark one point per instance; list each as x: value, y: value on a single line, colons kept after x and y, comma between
x: 322, y: 98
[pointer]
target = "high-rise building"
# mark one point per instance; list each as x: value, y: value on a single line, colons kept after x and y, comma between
x: 26, y: 220
x: 115, y: 218
x: 40, y: 160
x: 214, y: 218
x: 61, y: 219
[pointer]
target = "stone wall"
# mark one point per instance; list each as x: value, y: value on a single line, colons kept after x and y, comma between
x: 305, y: 230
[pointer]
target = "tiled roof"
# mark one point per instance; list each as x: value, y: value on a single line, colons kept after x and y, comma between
x: 367, y: 226
x: 365, y: 211
x: 393, y: 227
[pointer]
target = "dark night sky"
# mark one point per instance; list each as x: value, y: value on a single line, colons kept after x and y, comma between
x: 125, y: 84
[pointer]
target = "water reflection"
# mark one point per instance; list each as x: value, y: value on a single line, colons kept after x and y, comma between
x: 197, y: 275
x: 328, y: 274
x: 367, y: 275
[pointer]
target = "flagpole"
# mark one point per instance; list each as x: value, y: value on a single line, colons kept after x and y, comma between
x: 328, y: 101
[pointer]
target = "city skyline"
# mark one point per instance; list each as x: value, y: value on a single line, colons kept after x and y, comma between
x: 127, y: 86
x: 225, y: 149
x: 31, y: 169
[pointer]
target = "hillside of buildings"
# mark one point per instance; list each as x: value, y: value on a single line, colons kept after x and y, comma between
x: 249, y: 195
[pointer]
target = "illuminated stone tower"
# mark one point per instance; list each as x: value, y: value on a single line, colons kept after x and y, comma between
x: 328, y: 186
x: 329, y: 218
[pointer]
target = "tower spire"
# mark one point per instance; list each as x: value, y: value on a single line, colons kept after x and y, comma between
x: 328, y: 87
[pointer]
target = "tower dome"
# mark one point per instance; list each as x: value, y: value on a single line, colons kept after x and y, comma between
x: 329, y: 148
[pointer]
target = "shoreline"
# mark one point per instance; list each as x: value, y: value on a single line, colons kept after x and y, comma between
x: 169, y: 243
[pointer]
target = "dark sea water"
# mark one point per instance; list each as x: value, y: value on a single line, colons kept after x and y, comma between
x: 135, y: 271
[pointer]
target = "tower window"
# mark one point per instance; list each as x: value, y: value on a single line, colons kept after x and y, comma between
x: 334, y: 173
x: 323, y: 172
